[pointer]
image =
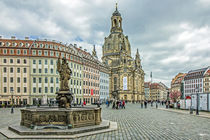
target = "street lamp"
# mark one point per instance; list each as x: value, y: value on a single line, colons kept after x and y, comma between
x: 12, y: 109
x: 197, y: 110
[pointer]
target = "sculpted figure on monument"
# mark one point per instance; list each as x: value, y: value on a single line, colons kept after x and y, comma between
x: 65, y: 74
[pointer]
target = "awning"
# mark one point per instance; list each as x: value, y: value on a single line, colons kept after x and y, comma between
x: 188, y: 97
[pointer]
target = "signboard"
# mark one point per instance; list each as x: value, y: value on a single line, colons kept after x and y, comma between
x: 91, y: 91
x: 125, y: 83
x: 203, y: 101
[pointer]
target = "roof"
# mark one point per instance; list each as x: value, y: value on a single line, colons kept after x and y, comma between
x: 195, y: 74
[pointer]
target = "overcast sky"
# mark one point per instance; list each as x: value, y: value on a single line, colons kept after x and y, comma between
x: 172, y: 35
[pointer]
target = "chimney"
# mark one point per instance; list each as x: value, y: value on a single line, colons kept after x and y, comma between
x: 0, y: 37
x: 85, y: 50
x: 12, y: 37
x: 75, y: 45
x: 26, y: 38
x: 80, y: 47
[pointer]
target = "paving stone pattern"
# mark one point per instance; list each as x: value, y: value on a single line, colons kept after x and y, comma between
x: 136, y: 123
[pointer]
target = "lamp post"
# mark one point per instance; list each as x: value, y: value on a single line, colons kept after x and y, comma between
x: 197, y: 108
x: 12, y: 109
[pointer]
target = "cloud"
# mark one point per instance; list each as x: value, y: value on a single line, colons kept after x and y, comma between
x: 172, y: 36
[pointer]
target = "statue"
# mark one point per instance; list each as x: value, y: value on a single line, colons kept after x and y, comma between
x: 65, y: 74
x: 64, y: 97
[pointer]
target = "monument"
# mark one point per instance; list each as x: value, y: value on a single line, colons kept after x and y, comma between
x: 64, y: 96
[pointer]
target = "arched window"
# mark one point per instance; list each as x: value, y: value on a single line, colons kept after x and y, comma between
x: 115, y: 22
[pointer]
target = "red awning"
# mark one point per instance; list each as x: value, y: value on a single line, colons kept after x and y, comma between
x: 188, y: 97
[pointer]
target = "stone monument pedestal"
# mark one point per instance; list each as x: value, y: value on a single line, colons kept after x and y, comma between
x: 60, y: 118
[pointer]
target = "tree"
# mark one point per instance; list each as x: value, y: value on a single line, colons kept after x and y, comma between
x: 175, y: 95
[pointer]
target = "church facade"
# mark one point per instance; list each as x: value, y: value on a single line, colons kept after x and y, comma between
x: 126, y: 73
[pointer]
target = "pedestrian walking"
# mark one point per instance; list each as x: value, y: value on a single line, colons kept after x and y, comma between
x: 123, y: 104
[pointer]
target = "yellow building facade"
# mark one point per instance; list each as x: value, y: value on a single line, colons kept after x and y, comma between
x: 126, y: 73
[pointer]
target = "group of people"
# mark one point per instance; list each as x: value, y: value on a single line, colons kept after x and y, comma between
x: 117, y: 104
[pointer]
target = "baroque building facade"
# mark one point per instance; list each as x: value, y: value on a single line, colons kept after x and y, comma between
x: 126, y: 73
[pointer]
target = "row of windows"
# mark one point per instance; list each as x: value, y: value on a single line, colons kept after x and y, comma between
x: 88, y: 91
x: 192, y: 91
x: 193, y: 86
x: 91, y: 70
x: 12, y: 61
x: 45, y: 61
x: 5, y: 89
x: 12, y: 80
x: 193, y: 81
x: 104, y: 81
x: 45, y: 71
x: 39, y: 80
x: 12, y: 51
x: 40, y: 53
x: 90, y: 76
x: 11, y: 70
x: 104, y: 87
x: 39, y: 90
x: 90, y: 83
x: 104, y: 93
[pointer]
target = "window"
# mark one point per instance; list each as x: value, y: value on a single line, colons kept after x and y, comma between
x: 34, y: 70
x: 18, y: 89
x: 51, y: 89
x: 11, y: 51
x: 51, y: 80
x: 18, y: 70
x: 40, y: 45
x: 25, y: 52
x: 34, y: 90
x: 46, y: 46
x: 51, y: 62
x: 25, y: 90
x: 24, y: 61
x: 5, y: 79
x: 40, y: 70
x: 46, y: 70
x: 46, y: 53
x: 51, y: 53
x: 39, y: 52
x: 40, y: 62
x: 46, y: 89
x: 18, y: 52
x: 18, y: 61
x: 40, y: 90
x: 11, y: 70
x: 11, y: 61
x: 5, y: 89
x: 20, y: 44
x: 34, y: 80
x: 24, y: 80
x: 5, y: 51
x: 5, y: 60
x: 58, y: 81
x: 45, y: 62
x: 25, y: 70
x: 18, y: 79
x: 40, y: 80
x: 5, y: 69
x: 51, y: 70
x: 34, y: 61
x: 34, y: 52
x: 46, y: 80
x: 11, y: 80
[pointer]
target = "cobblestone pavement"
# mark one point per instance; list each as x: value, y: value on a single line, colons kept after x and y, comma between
x: 136, y: 123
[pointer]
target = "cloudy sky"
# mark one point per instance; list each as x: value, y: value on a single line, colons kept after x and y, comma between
x: 172, y: 35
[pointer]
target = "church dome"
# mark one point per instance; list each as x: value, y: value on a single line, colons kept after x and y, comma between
x: 116, y: 13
